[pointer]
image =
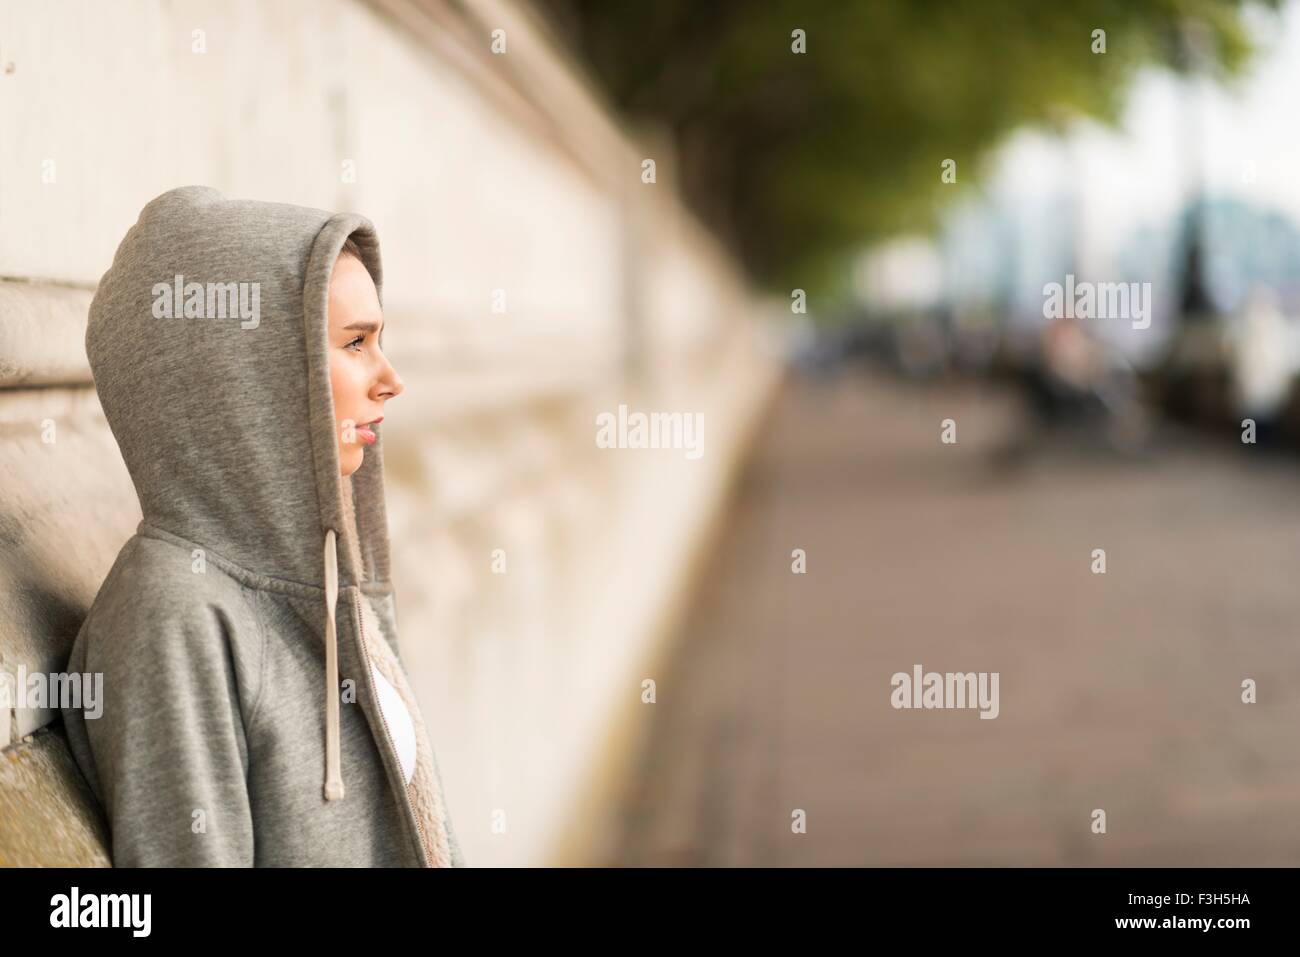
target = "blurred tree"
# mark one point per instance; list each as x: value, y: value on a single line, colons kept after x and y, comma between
x: 796, y: 159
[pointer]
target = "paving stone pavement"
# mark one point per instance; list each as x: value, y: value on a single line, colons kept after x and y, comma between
x: 1119, y: 692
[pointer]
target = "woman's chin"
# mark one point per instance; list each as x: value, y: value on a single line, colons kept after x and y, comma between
x: 350, y: 460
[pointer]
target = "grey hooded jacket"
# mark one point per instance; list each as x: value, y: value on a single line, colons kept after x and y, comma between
x: 240, y: 725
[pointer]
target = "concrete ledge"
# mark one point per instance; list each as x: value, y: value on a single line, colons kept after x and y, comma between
x: 67, y: 507
x: 48, y: 816
x: 43, y: 328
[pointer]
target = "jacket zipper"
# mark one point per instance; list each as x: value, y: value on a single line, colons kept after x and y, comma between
x: 365, y: 647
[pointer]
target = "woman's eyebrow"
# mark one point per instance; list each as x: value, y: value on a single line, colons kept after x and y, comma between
x: 365, y: 325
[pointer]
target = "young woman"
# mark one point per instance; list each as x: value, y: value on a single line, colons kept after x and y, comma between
x: 256, y: 710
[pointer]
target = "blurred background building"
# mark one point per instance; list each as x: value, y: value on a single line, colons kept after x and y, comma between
x: 827, y: 228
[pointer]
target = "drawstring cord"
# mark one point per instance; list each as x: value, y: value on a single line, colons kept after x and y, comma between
x: 333, y: 759
x: 431, y: 791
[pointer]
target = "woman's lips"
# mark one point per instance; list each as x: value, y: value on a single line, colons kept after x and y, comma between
x: 367, y: 434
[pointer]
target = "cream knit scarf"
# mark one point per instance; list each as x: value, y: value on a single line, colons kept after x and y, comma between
x: 423, y: 789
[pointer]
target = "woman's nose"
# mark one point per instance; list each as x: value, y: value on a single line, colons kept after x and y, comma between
x: 391, y: 383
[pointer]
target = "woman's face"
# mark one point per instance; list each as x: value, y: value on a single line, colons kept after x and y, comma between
x: 361, y: 378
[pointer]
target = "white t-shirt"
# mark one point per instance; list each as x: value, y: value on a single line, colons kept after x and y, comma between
x: 399, y: 722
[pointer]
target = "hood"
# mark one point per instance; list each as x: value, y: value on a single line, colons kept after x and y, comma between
x: 207, y: 339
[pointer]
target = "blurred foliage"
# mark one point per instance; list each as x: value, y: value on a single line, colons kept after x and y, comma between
x: 796, y: 160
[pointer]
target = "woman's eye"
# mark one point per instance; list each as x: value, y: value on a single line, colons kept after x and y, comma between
x: 355, y: 342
